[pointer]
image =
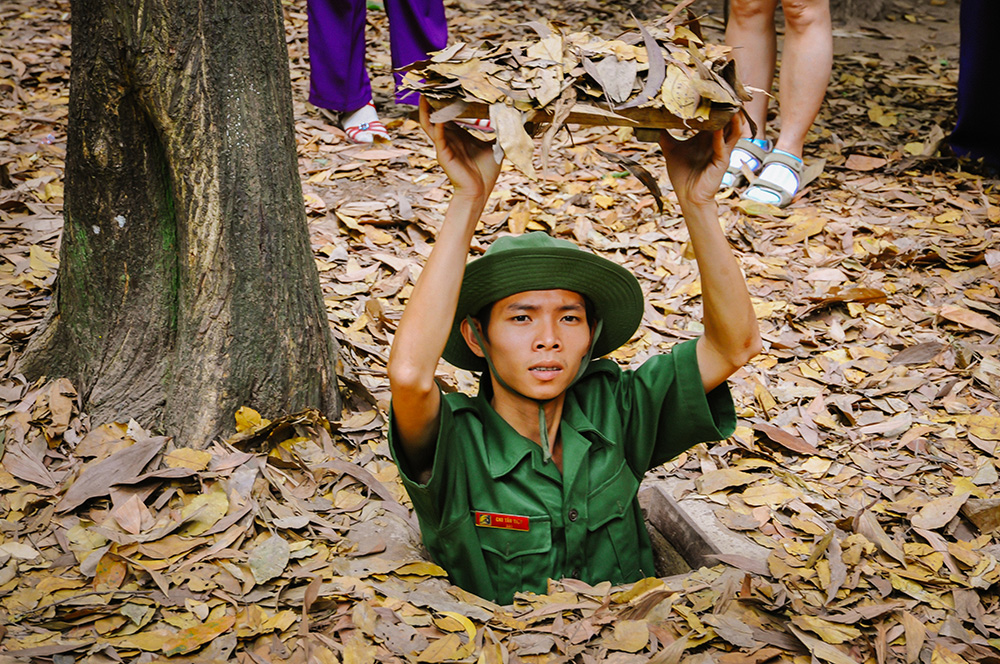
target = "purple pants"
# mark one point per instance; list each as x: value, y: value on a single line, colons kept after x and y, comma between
x: 977, y: 133
x: 339, y: 79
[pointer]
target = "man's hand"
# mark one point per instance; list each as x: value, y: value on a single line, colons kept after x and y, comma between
x: 467, y: 161
x: 696, y: 166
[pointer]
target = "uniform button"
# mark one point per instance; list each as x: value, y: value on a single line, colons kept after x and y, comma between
x: 573, y: 514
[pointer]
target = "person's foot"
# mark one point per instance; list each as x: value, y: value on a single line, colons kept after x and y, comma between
x: 363, y: 125
x: 779, y: 179
x: 749, y: 152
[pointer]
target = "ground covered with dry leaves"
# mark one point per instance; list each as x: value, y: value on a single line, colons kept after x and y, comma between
x: 866, y: 459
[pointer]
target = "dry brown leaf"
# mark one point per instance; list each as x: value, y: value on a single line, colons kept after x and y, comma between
x: 97, y: 478
x: 939, y: 512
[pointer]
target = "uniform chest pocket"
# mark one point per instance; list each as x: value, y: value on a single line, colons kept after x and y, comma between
x: 518, y: 559
x: 613, y: 545
x: 613, y: 498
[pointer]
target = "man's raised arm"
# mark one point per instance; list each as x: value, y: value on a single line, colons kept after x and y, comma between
x: 423, y: 330
x: 731, y: 335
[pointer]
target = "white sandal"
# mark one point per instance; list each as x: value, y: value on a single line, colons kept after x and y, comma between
x: 363, y: 126
x: 745, y: 153
x: 779, y: 180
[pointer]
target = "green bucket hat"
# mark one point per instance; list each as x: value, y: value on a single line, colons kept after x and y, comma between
x: 537, y: 261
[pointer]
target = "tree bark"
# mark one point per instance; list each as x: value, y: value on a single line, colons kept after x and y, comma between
x: 187, y: 285
x: 857, y: 10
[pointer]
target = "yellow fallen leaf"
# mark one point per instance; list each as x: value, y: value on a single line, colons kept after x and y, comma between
x: 147, y: 640
x: 772, y: 495
x: 199, y: 609
x: 41, y: 261
x: 421, y: 568
x: 279, y: 622
x: 250, y: 621
x: 879, y: 116
x: 828, y: 631
x: 948, y: 217
x: 193, y: 638
x: 717, y: 480
x: 942, y: 655
x: 767, y: 308
x: 204, y: 511
x: 603, y: 201
x: 986, y: 427
x: 447, y: 648
x: 248, y: 419
x: 639, y: 588
x: 917, y: 591
x: 186, y: 457
x: 629, y: 636
x: 53, y: 190
x: 821, y: 649
x: 357, y: 650
x: 83, y: 540
x: 458, y: 622
x: 803, y: 227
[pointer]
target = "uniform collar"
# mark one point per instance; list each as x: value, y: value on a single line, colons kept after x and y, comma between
x: 574, y: 417
x: 502, y: 458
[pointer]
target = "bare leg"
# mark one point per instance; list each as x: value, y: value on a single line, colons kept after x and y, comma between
x: 751, y: 34
x: 806, y: 62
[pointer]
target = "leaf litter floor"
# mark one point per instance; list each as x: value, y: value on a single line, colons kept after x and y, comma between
x: 865, y: 460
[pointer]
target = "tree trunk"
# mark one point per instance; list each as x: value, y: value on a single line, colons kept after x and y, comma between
x: 187, y: 285
x: 857, y: 10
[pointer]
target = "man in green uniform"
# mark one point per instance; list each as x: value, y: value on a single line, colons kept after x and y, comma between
x: 536, y: 476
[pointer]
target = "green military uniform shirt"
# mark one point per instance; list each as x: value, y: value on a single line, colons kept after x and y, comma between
x: 501, y: 520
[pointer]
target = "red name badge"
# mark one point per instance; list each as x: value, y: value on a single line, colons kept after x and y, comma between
x: 505, y: 521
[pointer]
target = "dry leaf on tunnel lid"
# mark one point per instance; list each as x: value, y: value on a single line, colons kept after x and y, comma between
x: 657, y: 70
x: 678, y: 95
x: 617, y: 77
x: 508, y: 122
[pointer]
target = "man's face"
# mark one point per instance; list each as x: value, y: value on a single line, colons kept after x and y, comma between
x: 537, y: 340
